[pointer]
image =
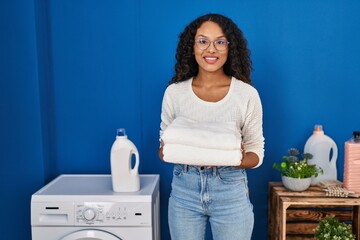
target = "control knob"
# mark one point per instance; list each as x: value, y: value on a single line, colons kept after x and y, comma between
x: 89, y: 214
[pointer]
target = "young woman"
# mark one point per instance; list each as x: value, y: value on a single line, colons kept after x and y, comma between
x: 212, y: 84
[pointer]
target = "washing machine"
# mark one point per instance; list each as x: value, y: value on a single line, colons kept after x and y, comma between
x: 84, y: 207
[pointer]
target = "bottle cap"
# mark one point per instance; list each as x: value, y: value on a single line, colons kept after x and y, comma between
x: 356, y: 135
x: 120, y: 132
x: 318, y: 128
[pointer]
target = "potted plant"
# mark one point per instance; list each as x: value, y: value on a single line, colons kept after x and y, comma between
x: 295, y: 171
x: 331, y: 228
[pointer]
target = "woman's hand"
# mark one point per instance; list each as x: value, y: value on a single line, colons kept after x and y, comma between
x: 249, y: 159
x: 160, y: 151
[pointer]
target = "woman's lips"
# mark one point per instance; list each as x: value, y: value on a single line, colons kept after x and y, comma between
x: 210, y: 60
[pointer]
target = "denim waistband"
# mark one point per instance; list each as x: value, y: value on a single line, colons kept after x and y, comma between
x: 214, y: 169
x: 203, y: 169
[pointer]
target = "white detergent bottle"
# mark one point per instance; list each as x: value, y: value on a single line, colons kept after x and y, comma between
x: 124, y: 177
x: 322, y: 147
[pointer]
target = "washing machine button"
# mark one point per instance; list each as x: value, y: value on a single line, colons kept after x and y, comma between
x: 89, y: 214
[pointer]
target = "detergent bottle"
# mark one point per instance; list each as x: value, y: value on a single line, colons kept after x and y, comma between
x: 124, y: 177
x: 322, y: 147
x: 351, y: 179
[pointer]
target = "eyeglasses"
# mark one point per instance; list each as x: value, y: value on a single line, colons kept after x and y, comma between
x: 204, y: 44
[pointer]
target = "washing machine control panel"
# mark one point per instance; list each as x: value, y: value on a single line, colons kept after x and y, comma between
x: 113, y: 214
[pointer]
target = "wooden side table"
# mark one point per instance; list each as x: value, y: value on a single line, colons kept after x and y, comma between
x: 294, y: 215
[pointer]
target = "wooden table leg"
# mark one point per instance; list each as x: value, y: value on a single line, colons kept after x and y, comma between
x: 282, y: 222
x: 273, y: 228
x: 356, y: 221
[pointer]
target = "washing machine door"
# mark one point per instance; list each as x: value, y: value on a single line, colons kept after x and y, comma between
x: 90, y: 235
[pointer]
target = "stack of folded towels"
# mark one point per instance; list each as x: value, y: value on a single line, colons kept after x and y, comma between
x: 202, y: 143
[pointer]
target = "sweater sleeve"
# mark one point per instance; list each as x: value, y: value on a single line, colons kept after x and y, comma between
x: 167, y: 112
x: 252, y: 130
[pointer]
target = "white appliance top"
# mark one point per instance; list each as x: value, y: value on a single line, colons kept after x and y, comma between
x: 88, y: 200
x: 84, y: 187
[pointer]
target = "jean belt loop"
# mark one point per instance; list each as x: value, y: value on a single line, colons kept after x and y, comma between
x: 214, y: 171
x: 186, y: 168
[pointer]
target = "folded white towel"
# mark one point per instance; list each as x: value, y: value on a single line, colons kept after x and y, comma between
x: 213, y: 135
x: 182, y: 154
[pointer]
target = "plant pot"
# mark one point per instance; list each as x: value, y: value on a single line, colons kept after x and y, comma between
x: 296, y: 184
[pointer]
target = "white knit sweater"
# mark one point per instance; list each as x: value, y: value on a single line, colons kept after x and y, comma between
x: 241, y: 104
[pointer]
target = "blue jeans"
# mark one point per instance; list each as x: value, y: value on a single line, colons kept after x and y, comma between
x: 218, y: 195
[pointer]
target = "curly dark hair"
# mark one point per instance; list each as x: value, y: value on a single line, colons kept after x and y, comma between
x: 238, y: 64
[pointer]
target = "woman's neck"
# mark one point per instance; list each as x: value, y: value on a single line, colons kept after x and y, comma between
x: 211, y: 79
x: 211, y: 87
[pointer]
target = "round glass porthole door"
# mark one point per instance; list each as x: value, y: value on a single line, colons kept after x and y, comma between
x: 90, y: 235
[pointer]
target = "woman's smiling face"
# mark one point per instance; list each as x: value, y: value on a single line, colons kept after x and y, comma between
x: 210, y: 59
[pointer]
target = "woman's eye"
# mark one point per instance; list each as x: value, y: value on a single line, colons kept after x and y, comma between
x: 221, y: 42
x: 203, y: 41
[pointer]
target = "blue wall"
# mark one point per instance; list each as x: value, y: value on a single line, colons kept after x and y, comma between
x: 71, y: 72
